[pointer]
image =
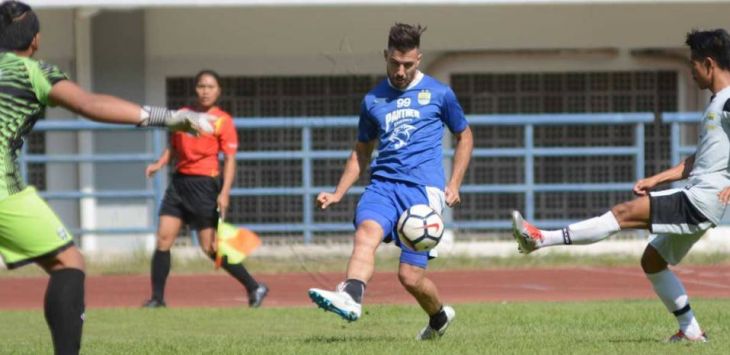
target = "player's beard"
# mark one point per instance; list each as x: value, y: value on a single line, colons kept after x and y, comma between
x: 400, y: 82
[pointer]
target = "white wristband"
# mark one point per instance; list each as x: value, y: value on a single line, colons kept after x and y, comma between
x: 144, y: 113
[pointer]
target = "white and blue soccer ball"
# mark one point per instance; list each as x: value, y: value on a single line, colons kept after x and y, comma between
x: 420, y: 228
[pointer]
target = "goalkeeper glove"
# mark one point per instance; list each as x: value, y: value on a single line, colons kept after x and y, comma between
x: 177, y: 120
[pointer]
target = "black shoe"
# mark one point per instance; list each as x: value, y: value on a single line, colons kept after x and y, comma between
x: 154, y: 303
x: 256, y: 297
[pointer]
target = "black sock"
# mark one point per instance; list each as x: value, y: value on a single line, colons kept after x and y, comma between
x: 160, y: 270
x: 438, y: 320
x: 239, y: 272
x: 355, y: 288
x: 64, y: 309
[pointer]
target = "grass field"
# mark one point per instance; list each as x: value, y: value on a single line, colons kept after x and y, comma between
x: 617, y: 327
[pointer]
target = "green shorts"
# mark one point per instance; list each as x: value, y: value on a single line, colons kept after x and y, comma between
x: 29, y: 230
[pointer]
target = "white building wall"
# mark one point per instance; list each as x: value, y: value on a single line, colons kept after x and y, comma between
x: 341, y: 40
x: 57, y: 47
x: 118, y: 41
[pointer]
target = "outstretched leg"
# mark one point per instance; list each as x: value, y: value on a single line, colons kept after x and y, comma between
x: 628, y: 215
x: 347, y: 299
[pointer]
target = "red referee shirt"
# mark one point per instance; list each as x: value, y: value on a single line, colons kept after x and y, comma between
x: 199, y: 155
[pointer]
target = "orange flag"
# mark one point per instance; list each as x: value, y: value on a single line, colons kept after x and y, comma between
x: 234, y: 243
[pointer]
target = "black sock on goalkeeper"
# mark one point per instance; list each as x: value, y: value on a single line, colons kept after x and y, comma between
x: 160, y: 271
x: 438, y: 320
x: 64, y: 309
x: 239, y: 272
x: 355, y: 288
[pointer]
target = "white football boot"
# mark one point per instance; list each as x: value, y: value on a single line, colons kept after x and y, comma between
x: 429, y: 333
x: 338, y: 301
x: 527, y: 236
x: 681, y: 337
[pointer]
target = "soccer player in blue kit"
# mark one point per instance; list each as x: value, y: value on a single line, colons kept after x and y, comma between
x: 404, y: 115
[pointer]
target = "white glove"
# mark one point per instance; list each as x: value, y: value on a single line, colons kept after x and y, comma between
x: 191, y: 121
x: 177, y: 120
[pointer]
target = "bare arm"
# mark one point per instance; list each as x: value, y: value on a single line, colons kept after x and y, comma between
x: 356, y: 164
x: 101, y: 108
x: 462, y: 156
x: 156, y: 166
x: 678, y: 172
x: 229, y: 173
x: 111, y: 109
x: 164, y: 157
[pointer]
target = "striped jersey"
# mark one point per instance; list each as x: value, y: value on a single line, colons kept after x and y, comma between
x: 25, y: 84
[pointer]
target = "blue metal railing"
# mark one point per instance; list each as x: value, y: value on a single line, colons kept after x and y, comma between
x: 676, y: 120
x: 306, y: 154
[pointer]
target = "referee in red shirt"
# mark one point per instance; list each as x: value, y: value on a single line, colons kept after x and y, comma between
x: 195, y: 195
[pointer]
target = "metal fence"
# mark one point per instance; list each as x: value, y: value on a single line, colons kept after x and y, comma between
x: 677, y: 120
x: 307, y: 155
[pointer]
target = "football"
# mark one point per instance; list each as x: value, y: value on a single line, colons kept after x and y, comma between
x: 420, y: 228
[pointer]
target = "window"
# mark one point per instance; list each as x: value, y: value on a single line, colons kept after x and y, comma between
x: 642, y: 91
x: 298, y: 96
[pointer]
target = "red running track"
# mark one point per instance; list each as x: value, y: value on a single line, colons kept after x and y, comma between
x: 219, y: 290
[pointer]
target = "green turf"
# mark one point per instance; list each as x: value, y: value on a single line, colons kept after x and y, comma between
x: 617, y: 327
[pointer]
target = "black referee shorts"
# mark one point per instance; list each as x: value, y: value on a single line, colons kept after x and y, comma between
x: 193, y: 199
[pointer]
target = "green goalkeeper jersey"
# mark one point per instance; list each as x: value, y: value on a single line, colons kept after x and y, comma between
x: 25, y: 84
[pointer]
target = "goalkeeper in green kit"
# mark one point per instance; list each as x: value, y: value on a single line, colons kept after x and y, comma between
x: 29, y: 230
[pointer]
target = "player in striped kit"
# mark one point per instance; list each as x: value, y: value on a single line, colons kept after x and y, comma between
x: 29, y: 230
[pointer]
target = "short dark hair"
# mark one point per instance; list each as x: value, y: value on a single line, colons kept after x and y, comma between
x: 713, y: 44
x: 208, y: 72
x: 18, y: 26
x: 405, y: 37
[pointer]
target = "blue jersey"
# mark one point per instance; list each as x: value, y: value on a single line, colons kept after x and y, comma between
x: 410, y: 125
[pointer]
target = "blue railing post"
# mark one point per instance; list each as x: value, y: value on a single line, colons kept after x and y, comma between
x: 307, y: 200
x: 529, y: 135
x: 639, y: 144
x: 675, y: 142
x: 23, y: 162
x: 158, y: 146
x: 677, y: 119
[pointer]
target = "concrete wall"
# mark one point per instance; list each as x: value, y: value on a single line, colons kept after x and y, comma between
x: 57, y: 47
x: 332, y: 40
x: 118, y: 47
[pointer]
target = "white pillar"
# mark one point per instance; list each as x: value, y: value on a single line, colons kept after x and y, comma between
x: 82, y: 54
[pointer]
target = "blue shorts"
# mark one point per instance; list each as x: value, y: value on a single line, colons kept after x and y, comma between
x: 385, y: 200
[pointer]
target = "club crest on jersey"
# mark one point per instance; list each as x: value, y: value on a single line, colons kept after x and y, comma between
x: 424, y: 97
x: 61, y: 232
x: 401, y: 135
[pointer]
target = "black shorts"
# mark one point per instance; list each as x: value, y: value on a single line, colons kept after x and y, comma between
x: 193, y: 199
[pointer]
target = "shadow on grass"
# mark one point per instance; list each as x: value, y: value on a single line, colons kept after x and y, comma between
x: 641, y: 340
x: 324, y: 339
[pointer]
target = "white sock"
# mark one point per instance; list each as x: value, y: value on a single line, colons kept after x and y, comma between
x: 584, y: 232
x: 670, y: 290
